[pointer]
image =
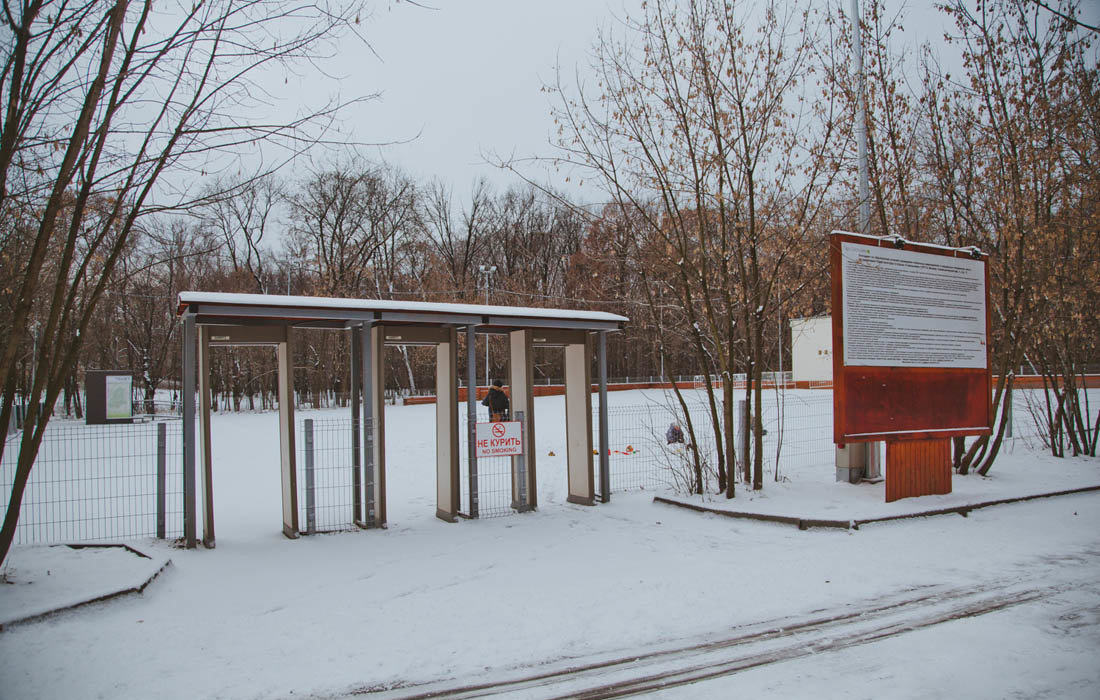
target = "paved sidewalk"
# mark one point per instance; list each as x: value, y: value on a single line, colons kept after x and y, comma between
x: 910, y: 508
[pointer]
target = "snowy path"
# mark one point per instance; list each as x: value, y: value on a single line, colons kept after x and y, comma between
x: 477, y: 602
x: 498, y: 600
x: 753, y: 646
x: 1043, y: 647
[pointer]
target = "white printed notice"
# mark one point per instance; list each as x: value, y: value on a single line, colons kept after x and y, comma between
x: 119, y: 390
x: 908, y: 309
x: 499, y: 439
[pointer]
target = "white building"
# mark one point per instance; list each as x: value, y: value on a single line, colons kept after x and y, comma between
x: 812, y: 349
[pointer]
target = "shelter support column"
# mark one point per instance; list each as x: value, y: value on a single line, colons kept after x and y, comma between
x: 366, y: 377
x: 521, y: 377
x: 578, y: 420
x: 374, y: 426
x: 286, y: 435
x: 851, y: 460
x: 204, y: 439
x: 873, y: 472
x: 471, y: 417
x: 187, y: 395
x: 446, y: 427
x: 605, y: 447
x: 354, y: 399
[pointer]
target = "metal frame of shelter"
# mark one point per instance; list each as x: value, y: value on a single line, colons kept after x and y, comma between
x: 213, y: 319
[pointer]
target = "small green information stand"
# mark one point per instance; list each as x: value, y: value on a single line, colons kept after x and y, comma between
x: 109, y: 396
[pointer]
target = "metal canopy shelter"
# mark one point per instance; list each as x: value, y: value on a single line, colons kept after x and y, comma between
x: 213, y: 319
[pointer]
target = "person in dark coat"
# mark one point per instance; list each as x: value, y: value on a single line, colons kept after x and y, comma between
x: 497, y: 402
x: 674, y: 434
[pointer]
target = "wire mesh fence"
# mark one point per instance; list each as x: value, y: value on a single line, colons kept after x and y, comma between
x: 494, y: 476
x: 102, y: 482
x: 797, y: 435
x: 1027, y: 409
x: 639, y: 457
x: 327, y: 480
x: 1035, y: 414
x: 797, y: 432
x: 114, y: 482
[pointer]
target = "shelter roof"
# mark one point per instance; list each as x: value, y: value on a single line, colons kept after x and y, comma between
x: 216, y: 308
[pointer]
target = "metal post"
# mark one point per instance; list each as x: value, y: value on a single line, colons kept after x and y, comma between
x: 355, y: 393
x: 311, y: 506
x: 488, y: 271
x: 521, y: 470
x: 869, y: 459
x: 34, y: 354
x: 288, y: 455
x: 488, y: 281
x: 368, y: 427
x: 188, y: 396
x: 206, y: 471
x: 1008, y: 413
x: 861, y: 124
x: 605, y: 457
x: 872, y: 468
x: 471, y: 417
x: 743, y: 428
x: 162, y: 471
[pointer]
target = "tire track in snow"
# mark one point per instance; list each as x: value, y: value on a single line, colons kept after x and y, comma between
x: 756, y: 645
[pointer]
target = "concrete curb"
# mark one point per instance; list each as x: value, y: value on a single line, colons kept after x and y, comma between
x: 854, y: 524
x: 137, y: 588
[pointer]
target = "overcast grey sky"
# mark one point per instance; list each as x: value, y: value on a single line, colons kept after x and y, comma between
x: 465, y: 78
x: 462, y: 77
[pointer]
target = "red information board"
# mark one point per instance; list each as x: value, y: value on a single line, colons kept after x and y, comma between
x: 910, y: 340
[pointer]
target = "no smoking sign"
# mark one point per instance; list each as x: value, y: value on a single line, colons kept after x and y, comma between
x: 499, y: 439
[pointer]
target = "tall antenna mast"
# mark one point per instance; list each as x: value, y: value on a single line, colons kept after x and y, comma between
x: 861, y: 124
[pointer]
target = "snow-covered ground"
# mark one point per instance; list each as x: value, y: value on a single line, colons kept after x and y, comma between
x: 479, y: 601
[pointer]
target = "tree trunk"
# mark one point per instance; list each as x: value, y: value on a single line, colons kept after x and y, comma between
x: 731, y: 434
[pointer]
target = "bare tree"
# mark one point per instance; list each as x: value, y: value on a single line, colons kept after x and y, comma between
x: 243, y: 212
x: 1013, y: 151
x: 157, y: 265
x: 533, y: 238
x: 893, y: 119
x: 338, y: 222
x: 458, y: 244
x: 352, y: 221
x: 104, y: 102
x: 697, y: 128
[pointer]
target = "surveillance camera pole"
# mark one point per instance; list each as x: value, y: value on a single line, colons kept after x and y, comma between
x: 861, y: 124
x: 872, y: 469
x: 488, y: 271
